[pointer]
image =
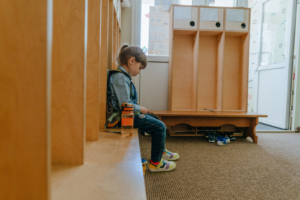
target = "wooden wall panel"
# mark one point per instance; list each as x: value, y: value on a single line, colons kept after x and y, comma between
x: 68, y: 82
x: 25, y: 100
x: 183, y: 82
x: 207, y: 72
x: 231, y: 71
x: 210, y: 71
x: 103, y: 63
x: 115, y: 42
x: 93, y: 70
x: 110, y: 35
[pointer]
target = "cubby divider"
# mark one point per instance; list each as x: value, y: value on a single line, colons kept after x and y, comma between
x: 210, y: 61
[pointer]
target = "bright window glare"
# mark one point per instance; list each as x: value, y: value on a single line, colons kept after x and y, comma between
x: 223, y: 3
x: 145, y: 24
x: 186, y: 2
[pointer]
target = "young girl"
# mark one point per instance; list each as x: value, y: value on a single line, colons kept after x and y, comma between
x: 121, y: 90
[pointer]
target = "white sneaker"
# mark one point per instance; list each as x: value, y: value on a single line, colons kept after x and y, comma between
x: 221, y: 141
x: 168, y: 155
x: 163, y: 166
x: 227, y: 139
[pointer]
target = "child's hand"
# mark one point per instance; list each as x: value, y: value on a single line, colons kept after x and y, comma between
x: 144, y: 110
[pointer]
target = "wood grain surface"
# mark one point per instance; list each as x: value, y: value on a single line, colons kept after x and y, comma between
x: 25, y: 100
x: 103, y: 63
x: 68, y: 82
x: 110, y: 35
x: 93, y: 70
x: 207, y: 114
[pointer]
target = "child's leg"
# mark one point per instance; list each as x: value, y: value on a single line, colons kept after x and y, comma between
x: 157, y: 129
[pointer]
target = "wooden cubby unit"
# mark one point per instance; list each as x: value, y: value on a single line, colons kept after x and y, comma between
x: 184, y: 70
x: 208, y: 70
x: 210, y: 61
x: 218, y: 55
x: 235, y: 71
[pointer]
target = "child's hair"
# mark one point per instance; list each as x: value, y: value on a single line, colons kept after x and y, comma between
x: 126, y: 52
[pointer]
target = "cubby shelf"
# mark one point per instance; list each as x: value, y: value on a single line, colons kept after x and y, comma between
x: 208, y: 66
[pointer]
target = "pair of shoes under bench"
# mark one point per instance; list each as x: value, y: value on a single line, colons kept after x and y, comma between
x: 211, y: 137
x: 168, y: 155
x: 221, y: 140
x: 163, y: 166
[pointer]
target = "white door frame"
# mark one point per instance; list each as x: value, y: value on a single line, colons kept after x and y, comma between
x: 290, y: 43
x: 296, y: 100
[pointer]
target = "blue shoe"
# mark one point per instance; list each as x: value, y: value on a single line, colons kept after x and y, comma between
x: 221, y: 141
x: 232, y: 138
x: 211, y: 137
x: 144, y: 163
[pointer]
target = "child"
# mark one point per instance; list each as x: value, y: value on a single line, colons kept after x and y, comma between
x: 131, y: 60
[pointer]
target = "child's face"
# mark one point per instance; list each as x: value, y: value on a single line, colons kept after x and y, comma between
x: 134, y: 67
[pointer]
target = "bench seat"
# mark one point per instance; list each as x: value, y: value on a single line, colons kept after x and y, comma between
x: 112, y: 170
x: 245, y: 120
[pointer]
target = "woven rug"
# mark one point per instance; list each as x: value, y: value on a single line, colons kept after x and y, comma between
x: 239, y: 170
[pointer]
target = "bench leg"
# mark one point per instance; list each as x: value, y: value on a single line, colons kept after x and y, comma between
x: 251, y: 130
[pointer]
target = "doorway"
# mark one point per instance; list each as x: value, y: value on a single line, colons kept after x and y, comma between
x: 273, y: 69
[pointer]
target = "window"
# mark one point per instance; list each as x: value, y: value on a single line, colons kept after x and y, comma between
x: 223, y: 3
x: 155, y: 23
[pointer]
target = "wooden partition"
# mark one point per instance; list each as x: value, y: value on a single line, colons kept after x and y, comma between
x: 25, y: 93
x: 103, y: 62
x: 210, y: 71
x: 235, y: 75
x: 93, y: 70
x: 68, y: 71
x: 115, y: 41
x: 110, y: 35
x: 184, y: 70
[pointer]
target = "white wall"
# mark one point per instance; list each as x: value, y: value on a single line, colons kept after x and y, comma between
x: 126, y: 25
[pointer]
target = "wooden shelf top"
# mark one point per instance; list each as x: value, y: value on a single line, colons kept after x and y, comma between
x: 207, y: 113
x: 112, y: 170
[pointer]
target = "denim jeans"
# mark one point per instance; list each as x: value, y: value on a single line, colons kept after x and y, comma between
x: 156, y: 129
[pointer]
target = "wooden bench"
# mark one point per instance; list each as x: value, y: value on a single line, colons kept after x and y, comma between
x: 245, y: 120
x: 112, y: 170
